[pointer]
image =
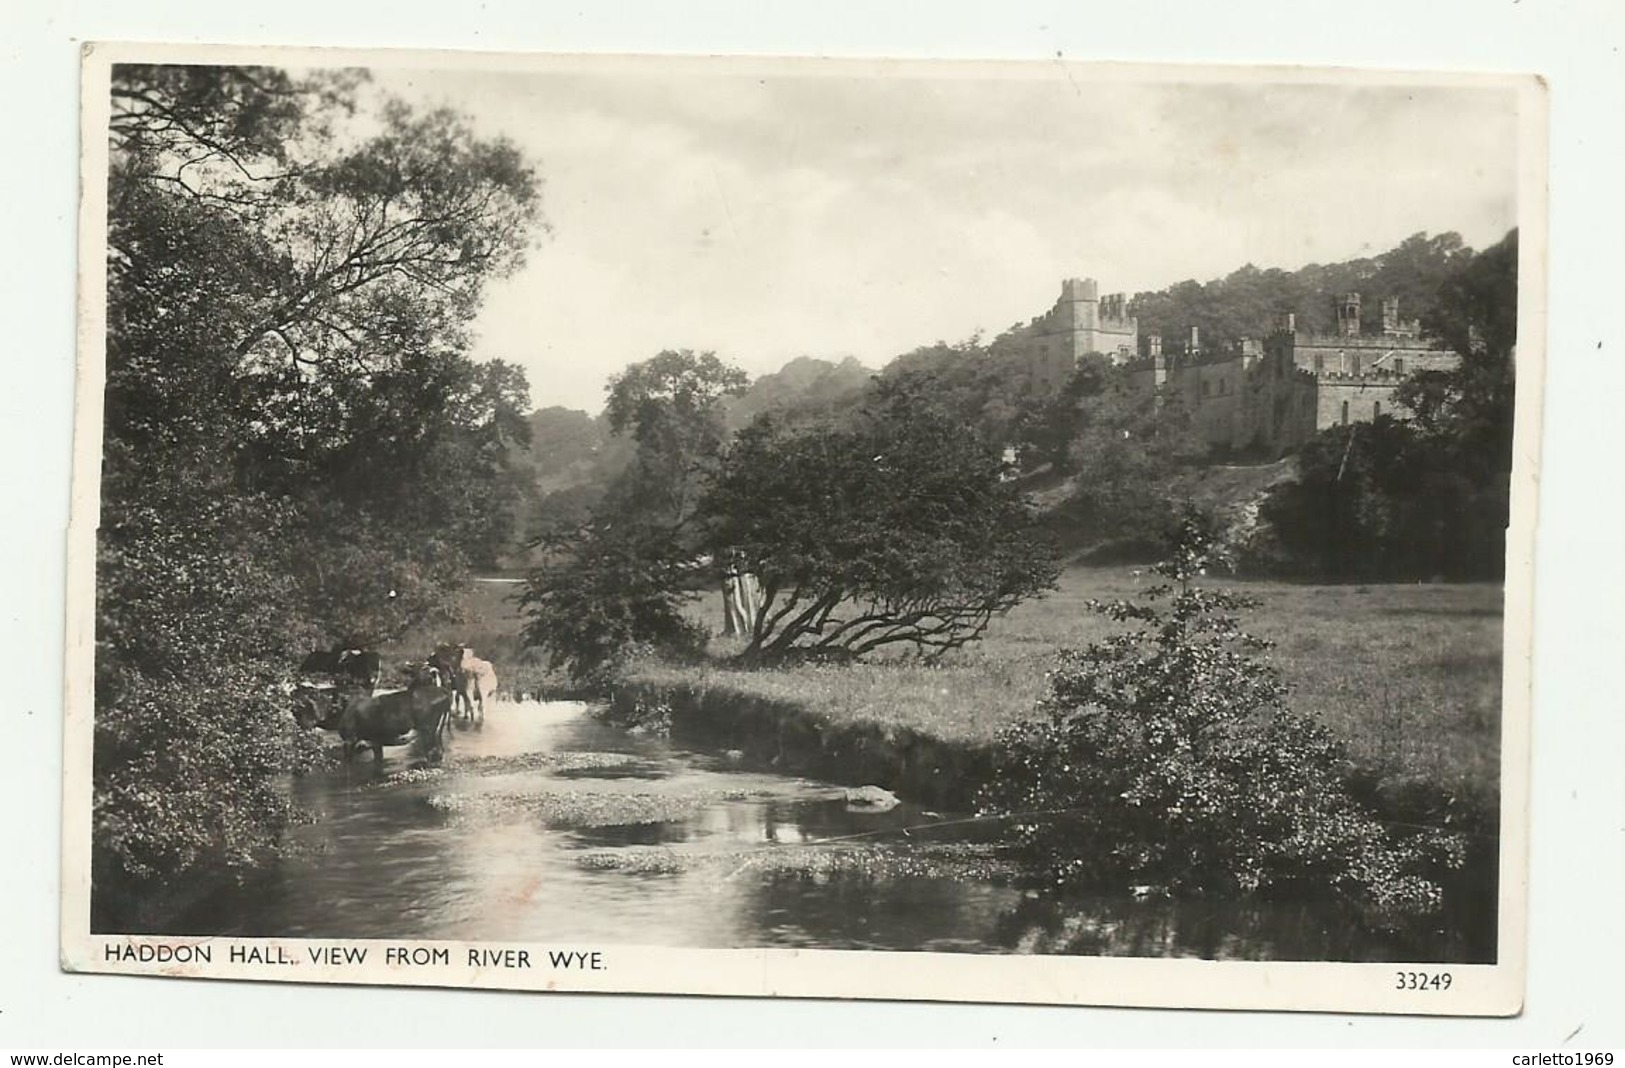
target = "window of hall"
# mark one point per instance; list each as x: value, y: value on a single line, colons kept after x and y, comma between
x: 1320, y: 362
x: 1399, y: 365
x: 1345, y: 413
x: 1376, y: 409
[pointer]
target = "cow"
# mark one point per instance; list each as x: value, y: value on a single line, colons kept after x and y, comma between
x: 421, y: 711
x: 360, y: 666
x: 448, y: 660
x: 479, y: 681
x: 317, y: 705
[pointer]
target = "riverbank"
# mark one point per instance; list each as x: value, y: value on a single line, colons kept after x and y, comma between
x: 1408, y: 676
x: 793, y: 737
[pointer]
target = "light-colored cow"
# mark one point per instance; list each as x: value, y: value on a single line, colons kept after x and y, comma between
x: 479, y: 681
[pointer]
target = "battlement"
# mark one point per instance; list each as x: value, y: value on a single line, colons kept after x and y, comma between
x: 1270, y: 392
x: 1114, y: 309
x: 1365, y: 341
x: 1375, y: 374
x: 1075, y: 289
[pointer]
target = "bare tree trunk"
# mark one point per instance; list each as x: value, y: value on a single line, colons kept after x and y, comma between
x: 741, y: 602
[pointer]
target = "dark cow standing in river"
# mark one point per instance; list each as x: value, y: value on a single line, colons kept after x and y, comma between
x: 448, y: 660
x: 421, y: 711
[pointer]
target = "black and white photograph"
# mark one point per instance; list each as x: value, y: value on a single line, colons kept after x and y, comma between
x: 961, y: 530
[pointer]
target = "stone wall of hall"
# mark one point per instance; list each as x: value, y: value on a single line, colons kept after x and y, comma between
x: 1342, y: 400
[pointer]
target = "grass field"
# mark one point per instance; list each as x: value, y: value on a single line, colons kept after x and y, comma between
x: 1408, y: 675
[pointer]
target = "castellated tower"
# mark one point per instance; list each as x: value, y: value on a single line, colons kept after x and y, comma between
x: 1078, y: 310
x: 1092, y: 323
x: 1348, y: 315
x: 1080, y: 322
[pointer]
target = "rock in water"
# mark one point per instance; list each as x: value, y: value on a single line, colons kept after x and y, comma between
x: 870, y: 799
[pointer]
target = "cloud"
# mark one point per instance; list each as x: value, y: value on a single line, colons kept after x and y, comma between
x: 766, y: 212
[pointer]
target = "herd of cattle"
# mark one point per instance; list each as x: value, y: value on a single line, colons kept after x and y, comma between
x: 339, y: 692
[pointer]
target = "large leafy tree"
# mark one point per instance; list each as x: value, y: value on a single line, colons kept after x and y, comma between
x: 1475, y: 315
x: 901, y: 530
x: 296, y: 448
x: 618, y: 581
x: 671, y: 405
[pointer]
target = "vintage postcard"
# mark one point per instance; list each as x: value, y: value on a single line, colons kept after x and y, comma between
x: 1013, y: 532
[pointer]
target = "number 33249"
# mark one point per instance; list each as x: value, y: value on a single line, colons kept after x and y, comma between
x: 1421, y: 981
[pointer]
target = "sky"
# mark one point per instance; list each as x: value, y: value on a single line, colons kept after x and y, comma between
x: 765, y: 211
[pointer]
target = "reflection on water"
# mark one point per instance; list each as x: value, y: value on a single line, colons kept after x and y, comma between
x: 549, y: 826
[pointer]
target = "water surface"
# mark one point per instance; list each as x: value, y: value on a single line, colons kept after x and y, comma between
x: 548, y: 825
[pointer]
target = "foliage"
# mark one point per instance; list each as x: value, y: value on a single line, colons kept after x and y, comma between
x: 573, y: 460
x: 605, y: 593
x: 1468, y: 409
x: 194, y: 605
x: 296, y: 450
x: 997, y: 398
x: 1047, y: 433
x: 1380, y: 501
x: 1426, y: 498
x: 1166, y: 756
x: 901, y: 530
x: 1249, y: 299
x: 803, y: 389
x: 1128, y: 446
x: 618, y: 582
x: 672, y: 406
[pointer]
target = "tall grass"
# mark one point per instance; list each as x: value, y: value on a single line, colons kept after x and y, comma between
x: 1408, y: 675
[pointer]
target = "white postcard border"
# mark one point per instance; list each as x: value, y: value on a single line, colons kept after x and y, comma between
x: 1489, y: 990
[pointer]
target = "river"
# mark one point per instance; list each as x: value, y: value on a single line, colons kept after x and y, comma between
x: 548, y: 825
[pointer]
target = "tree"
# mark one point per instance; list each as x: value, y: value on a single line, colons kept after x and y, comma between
x: 1469, y: 408
x: 899, y: 531
x: 606, y: 592
x: 1127, y: 446
x: 804, y: 388
x: 1431, y: 496
x: 617, y: 582
x: 996, y: 396
x: 672, y: 406
x: 296, y: 449
x: 1246, y: 302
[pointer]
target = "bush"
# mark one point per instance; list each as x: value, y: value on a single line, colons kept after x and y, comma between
x: 607, y: 592
x: 195, y: 620
x: 1166, y: 756
x: 1379, y: 501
